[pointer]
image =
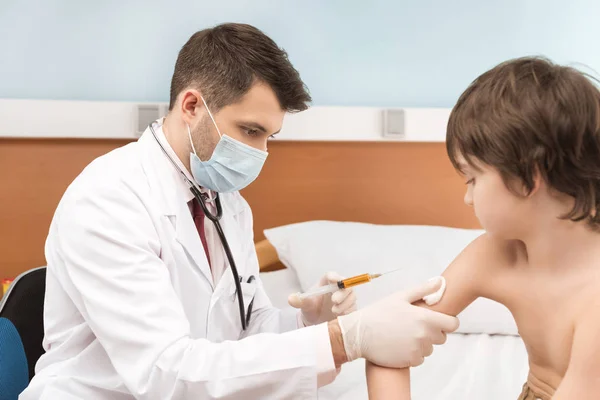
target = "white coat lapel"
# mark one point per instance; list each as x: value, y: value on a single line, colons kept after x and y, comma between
x: 172, y: 194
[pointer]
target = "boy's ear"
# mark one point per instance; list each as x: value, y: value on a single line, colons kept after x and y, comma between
x: 538, y: 181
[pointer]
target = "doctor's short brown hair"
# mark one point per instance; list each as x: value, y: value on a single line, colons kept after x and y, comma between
x: 528, y: 116
x: 223, y: 62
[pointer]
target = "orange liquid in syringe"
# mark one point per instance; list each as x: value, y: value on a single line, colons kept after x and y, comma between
x: 355, y: 280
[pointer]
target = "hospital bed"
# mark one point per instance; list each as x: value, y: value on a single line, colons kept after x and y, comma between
x: 485, y: 360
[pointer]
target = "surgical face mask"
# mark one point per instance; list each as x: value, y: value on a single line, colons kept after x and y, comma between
x: 232, y: 166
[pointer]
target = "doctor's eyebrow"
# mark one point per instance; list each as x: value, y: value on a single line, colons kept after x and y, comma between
x: 255, y: 125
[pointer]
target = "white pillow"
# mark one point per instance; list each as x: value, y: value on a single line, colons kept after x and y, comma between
x: 350, y: 248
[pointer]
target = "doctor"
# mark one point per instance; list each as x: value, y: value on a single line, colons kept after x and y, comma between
x: 141, y: 300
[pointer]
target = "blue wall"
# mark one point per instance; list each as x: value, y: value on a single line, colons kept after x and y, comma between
x: 350, y: 52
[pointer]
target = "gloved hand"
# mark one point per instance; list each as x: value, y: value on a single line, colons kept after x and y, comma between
x: 394, y: 333
x: 318, y: 309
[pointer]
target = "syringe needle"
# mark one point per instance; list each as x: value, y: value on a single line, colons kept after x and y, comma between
x: 387, y: 272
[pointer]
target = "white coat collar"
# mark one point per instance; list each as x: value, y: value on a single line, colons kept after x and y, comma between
x: 165, y: 168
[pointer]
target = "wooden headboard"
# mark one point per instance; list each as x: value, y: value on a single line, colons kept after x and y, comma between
x: 375, y: 182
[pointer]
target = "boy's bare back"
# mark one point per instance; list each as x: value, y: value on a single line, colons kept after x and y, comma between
x: 547, y: 306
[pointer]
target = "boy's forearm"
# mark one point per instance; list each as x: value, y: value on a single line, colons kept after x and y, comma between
x: 388, y: 383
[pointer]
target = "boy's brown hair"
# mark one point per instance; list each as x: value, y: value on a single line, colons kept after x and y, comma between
x: 528, y: 116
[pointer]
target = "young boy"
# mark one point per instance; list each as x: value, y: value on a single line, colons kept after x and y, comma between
x: 526, y: 136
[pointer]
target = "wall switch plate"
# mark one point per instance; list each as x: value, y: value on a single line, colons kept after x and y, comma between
x: 146, y: 113
x: 394, y: 123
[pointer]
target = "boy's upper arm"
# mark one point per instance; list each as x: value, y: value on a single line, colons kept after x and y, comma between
x: 468, y: 275
x: 582, y: 379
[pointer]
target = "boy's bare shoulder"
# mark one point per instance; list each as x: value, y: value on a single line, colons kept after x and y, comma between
x: 490, y: 260
x: 494, y: 253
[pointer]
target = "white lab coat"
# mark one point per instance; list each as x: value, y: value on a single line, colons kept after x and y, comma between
x: 132, y: 310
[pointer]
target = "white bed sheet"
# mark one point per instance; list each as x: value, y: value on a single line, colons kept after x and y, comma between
x: 473, y: 366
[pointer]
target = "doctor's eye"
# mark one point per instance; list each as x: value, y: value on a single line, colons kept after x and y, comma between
x: 273, y: 136
x: 250, y: 131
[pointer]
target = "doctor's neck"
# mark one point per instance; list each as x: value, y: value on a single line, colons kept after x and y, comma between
x: 173, y: 128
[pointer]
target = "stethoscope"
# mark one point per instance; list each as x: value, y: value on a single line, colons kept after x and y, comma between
x: 202, y: 198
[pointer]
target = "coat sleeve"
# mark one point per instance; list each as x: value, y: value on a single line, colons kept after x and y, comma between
x: 107, y: 246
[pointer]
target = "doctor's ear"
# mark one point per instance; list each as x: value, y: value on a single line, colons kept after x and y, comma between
x: 191, y: 104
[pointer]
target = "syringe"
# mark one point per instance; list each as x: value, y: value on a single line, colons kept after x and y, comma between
x: 341, y: 284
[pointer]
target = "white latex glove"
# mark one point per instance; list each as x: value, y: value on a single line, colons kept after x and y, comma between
x: 318, y: 309
x: 394, y: 333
